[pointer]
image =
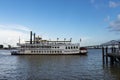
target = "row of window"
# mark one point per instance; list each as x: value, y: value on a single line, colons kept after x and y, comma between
x: 72, y: 47
x: 38, y: 47
x: 37, y: 51
x: 68, y: 47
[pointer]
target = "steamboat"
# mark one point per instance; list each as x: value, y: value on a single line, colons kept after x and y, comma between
x: 37, y: 45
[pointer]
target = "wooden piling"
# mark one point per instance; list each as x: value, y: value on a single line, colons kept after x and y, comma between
x: 111, y: 60
x: 106, y: 51
x: 103, y: 55
x: 112, y: 51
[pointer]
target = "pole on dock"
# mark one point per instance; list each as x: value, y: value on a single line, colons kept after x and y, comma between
x: 112, y: 58
x: 112, y: 49
x: 103, y: 59
x: 106, y: 51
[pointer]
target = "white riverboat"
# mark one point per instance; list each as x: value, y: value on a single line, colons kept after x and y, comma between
x: 40, y: 46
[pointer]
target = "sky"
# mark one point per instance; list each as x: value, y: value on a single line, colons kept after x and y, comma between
x: 92, y: 21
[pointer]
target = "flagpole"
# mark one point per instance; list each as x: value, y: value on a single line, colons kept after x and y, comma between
x: 80, y: 40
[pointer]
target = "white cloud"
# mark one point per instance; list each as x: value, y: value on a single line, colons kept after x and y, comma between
x: 9, y: 34
x: 107, y: 19
x: 15, y: 27
x: 115, y: 25
x: 118, y: 17
x: 113, y: 4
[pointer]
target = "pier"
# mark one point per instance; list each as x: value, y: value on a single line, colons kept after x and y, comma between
x: 111, y: 53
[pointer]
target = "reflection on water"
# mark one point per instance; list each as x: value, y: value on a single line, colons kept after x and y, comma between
x: 56, y: 67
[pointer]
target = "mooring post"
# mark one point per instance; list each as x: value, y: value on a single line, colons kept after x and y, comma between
x: 111, y: 57
x: 106, y: 51
x: 111, y: 60
x: 103, y: 55
x: 112, y: 49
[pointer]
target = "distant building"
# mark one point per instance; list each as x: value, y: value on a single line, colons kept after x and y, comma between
x: 1, y: 46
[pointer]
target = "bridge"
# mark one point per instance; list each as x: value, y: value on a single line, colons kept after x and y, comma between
x: 112, y: 43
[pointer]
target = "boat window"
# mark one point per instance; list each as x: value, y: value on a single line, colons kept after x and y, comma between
x: 66, y: 47
x: 74, y: 47
x: 52, y: 51
x: 71, y: 47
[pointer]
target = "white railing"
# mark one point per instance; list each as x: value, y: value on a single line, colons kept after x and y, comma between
x: 46, y: 44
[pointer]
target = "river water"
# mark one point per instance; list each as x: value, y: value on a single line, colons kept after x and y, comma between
x: 56, y: 67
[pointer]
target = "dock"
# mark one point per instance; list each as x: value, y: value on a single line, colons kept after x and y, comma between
x: 111, y: 52
x: 110, y: 55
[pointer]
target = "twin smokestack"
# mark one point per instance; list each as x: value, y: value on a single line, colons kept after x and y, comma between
x: 31, y: 37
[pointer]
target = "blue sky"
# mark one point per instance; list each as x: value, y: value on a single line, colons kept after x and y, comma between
x: 94, y: 21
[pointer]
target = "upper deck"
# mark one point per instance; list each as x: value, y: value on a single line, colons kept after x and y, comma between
x: 38, y: 41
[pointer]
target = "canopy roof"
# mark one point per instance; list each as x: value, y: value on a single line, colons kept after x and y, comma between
x: 112, y: 42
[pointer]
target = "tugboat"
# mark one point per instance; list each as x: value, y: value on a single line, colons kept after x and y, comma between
x: 83, y: 51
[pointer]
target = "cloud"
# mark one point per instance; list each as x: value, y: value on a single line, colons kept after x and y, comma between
x: 9, y: 34
x: 15, y: 27
x: 115, y: 25
x: 98, y: 4
x: 107, y: 19
x: 113, y: 4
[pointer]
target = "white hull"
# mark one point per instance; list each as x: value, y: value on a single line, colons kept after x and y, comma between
x: 47, y: 53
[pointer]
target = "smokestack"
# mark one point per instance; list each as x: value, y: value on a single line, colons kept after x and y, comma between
x: 34, y: 38
x: 30, y: 37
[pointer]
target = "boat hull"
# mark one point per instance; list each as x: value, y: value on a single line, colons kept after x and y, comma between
x: 17, y: 53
